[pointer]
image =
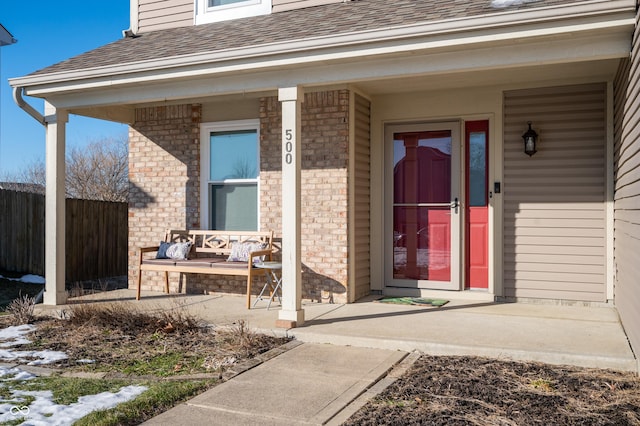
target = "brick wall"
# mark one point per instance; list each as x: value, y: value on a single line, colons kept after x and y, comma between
x: 324, y: 182
x: 164, y: 173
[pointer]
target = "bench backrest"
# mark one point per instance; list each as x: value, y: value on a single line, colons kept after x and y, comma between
x: 218, y: 242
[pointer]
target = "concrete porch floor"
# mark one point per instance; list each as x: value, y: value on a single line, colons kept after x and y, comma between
x: 573, y: 335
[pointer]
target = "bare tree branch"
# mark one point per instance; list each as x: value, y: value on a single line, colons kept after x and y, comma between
x: 98, y: 171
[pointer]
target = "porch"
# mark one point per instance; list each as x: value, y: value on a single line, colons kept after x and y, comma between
x: 585, y: 336
x: 318, y: 111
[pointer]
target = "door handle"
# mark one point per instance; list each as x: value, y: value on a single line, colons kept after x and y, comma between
x: 455, y: 204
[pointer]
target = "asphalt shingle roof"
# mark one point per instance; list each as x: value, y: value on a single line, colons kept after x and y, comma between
x: 331, y: 19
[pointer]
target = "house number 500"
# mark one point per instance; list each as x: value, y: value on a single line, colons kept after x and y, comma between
x: 288, y: 146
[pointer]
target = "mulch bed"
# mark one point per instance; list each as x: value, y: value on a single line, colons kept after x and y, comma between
x: 478, y: 391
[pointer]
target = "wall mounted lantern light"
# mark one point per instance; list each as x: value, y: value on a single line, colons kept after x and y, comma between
x: 530, y: 138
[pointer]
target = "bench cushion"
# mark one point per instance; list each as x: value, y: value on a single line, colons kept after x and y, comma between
x: 165, y: 262
x: 205, y: 262
x: 196, y: 263
x: 230, y: 265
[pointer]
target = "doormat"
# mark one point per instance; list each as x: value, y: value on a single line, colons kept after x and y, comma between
x: 413, y: 301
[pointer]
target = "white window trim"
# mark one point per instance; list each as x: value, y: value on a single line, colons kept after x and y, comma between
x: 205, y: 163
x: 205, y: 14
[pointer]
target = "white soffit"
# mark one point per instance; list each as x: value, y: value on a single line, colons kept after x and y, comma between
x: 541, y: 74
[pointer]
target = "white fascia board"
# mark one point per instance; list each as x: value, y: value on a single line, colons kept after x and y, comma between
x: 447, y: 34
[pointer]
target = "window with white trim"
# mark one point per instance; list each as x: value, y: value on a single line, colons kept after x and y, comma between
x: 230, y: 175
x: 224, y: 10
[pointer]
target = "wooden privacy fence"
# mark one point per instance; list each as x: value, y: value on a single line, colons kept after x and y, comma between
x: 96, y: 236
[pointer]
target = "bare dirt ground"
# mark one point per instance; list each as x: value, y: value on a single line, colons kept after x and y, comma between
x: 480, y: 391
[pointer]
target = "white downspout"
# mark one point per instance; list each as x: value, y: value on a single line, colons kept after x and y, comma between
x: 54, y: 122
x: 19, y: 100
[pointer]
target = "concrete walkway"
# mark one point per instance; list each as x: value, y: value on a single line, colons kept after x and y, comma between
x: 309, y: 384
x: 343, y: 350
x: 581, y: 336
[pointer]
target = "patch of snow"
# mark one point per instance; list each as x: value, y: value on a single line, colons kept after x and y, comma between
x: 29, y: 278
x: 42, y: 357
x: 43, y: 411
x: 14, y: 335
x: 86, y: 361
x: 32, y: 279
x: 15, y: 374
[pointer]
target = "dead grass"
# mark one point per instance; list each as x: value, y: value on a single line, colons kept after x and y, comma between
x: 127, y: 319
x: 121, y: 340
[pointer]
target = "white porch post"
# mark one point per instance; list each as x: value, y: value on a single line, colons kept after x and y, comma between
x: 291, y: 314
x: 55, y: 206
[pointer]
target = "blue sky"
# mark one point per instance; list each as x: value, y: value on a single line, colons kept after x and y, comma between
x: 47, y: 33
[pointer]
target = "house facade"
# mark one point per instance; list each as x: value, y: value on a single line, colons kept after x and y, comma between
x: 382, y: 141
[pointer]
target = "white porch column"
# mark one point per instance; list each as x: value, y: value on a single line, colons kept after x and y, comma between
x: 291, y: 314
x: 55, y: 206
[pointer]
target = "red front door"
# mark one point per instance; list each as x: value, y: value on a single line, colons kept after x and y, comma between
x: 477, y: 201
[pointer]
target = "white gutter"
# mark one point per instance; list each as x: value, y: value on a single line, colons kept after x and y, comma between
x: 442, y: 34
x: 19, y: 100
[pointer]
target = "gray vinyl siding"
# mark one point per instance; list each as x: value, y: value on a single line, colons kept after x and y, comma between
x: 284, y: 5
x: 162, y: 14
x: 362, y: 205
x: 554, y: 202
x: 627, y: 194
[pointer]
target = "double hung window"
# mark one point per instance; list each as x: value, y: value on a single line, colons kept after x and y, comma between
x: 230, y: 172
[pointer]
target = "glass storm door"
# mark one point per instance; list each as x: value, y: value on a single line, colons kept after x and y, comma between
x: 425, y: 210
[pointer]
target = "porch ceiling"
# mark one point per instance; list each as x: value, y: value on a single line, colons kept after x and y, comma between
x: 532, y: 75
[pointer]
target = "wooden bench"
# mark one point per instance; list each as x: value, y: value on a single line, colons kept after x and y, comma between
x: 209, y: 253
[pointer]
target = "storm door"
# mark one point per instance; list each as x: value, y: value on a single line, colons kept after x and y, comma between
x: 423, y: 206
